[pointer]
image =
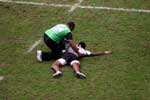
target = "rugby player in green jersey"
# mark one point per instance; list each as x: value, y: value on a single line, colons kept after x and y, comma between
x: 54, y: 38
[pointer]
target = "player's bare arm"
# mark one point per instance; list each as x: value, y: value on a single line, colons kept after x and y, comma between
x: 74, y: 46
x: 100, y: 53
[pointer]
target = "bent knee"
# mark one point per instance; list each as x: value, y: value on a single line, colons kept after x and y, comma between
x: 56, y: 63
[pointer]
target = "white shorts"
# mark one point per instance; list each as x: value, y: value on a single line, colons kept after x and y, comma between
x: 63, y: 61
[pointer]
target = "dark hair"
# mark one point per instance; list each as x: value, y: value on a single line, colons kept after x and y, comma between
x: 71, y: 25
x: 82, y: 44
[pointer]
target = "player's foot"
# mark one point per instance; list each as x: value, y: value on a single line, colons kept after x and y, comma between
x: 80, y: 75
x: 39, y: 55
x: 108, y: 52
x: 58, y: 74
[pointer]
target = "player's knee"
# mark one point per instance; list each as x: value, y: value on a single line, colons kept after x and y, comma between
x: 74, y: 62
x: 61, y: 61
x: 56, y: 63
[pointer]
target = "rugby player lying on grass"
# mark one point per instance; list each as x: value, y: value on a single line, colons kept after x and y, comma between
x: 71, y: 57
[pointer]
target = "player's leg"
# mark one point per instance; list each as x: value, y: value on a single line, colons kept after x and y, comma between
x: 76, y: 67
x: 56, y: 67
x: 45, y: 56
x: 55, y: 50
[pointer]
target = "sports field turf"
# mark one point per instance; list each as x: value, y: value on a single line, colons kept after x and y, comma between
x: 124, y: 75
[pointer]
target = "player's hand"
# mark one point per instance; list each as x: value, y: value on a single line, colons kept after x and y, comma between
x: 82, y: 51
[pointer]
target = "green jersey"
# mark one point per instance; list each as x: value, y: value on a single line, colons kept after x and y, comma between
x: 58, y: 32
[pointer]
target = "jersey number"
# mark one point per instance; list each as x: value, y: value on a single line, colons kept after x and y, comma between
x: 58, y: 28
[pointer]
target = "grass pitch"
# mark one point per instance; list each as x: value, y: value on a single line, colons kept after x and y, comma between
x: 124, y: 75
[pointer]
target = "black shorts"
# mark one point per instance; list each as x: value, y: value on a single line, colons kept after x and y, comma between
x: 69, y: 57
x: 55, y: 47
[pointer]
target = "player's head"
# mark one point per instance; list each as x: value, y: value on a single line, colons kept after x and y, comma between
x: 82, y: 44
x: 71, y: 25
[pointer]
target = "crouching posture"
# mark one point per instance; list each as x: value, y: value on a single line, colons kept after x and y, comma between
x: 71, y: 57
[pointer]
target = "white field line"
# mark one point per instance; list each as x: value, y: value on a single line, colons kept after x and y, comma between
x: 75, y: 5
x: 79, y: 6
x: 35, y: 3
x: 34, y: 45
x: 116, y: 9
x: 1, y: 78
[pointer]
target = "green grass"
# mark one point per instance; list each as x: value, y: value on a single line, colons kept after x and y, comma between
x: 124, y: 75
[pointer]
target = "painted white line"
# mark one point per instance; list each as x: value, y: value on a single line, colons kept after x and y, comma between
x: 116, y: 9
x: 34, y: 45
x: 1, y: 78
x: 75, y: 5
x: 79, y: 6
x: 35, y: 3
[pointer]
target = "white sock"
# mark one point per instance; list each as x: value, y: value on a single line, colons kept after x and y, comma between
x: 78, y: 72
x: 58, y: 72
